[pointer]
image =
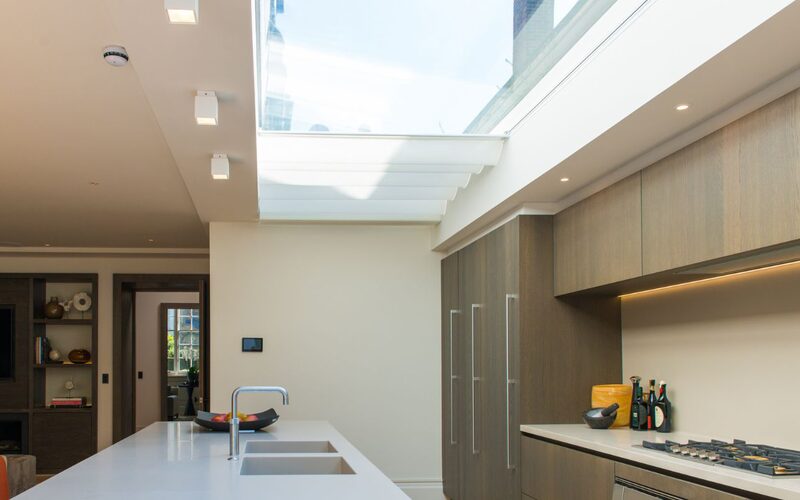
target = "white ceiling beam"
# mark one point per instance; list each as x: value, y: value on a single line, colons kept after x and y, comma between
x: 337, y: 148
x: 288, y: 192
x: 353, y: 210
x: 357, y: 177
x: 315, y: 178
x: 428, y: 168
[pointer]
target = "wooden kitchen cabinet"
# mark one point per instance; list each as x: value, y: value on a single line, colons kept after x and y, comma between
x: 452, y: 379
x: 551, y: 472
x: 520, y: 349
x: 476, y: 391
x: 670, y: 485
x: 60, y: 438
x: 735, y: 190
x: 683, y: 212
x: 502, y: 318
x: 598, y: 240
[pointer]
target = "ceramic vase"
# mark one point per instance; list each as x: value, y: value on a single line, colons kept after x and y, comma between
x: 53, y: 310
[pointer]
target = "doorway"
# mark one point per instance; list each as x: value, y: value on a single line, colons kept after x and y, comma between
x: 152, y: 391
x: 180, y: 359
x: 128, y: 372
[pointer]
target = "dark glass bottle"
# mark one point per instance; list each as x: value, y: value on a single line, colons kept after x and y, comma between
x: 638, y: 411
x: 651, y: 406
x: 663, y: 413
x: 635, y: 382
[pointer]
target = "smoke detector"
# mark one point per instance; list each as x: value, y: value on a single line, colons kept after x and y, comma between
x: 115, y: 55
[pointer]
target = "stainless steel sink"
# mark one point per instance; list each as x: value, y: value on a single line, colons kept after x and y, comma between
x: 289, y: 447
x: 281, y: 466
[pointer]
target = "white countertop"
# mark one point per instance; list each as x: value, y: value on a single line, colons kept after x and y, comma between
x: 182, y: 461
x: 620, y: 443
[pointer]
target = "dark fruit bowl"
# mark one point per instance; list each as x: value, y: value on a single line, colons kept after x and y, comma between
x: 595, y: 420
x: 265, y: 418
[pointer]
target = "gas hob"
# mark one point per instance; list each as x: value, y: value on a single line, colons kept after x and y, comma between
x: 758, y: 458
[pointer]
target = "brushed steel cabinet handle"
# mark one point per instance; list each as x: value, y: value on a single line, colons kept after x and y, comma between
x: 475, y: 379
x: 509, y: 381
x: 452, y: 377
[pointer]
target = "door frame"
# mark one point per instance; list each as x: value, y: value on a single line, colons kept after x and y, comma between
x: 162, y: 328
x: 124, y: 339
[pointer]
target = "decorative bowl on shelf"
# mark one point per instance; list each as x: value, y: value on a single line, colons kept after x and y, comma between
x: 79, y: 356
x: 263, y: 419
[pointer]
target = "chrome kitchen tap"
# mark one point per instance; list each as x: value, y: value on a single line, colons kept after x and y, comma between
x: 234, y: 448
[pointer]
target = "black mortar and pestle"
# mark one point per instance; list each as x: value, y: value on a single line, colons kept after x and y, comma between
x: 601, y: 418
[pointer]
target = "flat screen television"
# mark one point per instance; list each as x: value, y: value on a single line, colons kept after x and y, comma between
x: 6, y: 342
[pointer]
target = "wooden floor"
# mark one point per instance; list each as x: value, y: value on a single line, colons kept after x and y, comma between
x: 40, y: 478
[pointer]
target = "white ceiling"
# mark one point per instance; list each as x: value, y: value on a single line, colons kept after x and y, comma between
x: 741, y: 70
x: 70, y: 119
x: 173, y: 62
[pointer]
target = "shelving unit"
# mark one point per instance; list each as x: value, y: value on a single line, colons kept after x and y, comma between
x: 46, y: 321
x: 63, y: 365
x: 47, y: 409
x: 58, y: 437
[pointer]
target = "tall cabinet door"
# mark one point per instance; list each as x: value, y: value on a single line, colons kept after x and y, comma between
x: 502, y: 298
x: 472, y: 274
x: 453, y: 379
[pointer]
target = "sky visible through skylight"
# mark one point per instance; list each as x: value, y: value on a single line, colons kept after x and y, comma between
x: 408, y: 67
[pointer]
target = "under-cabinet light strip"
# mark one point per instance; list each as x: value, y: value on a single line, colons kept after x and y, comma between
x: 713, y: 278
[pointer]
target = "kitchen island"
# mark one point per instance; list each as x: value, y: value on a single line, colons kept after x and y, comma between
x: 182, y: 461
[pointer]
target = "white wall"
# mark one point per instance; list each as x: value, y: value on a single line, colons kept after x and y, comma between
x: 350, y: 320
x: 105, y: 265
x: 728, y: 350
x: 149, y: 350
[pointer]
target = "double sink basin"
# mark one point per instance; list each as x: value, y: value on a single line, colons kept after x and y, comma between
x: 280, y: 458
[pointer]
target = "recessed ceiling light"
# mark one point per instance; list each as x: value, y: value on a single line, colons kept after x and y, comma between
x: 220, y: 167
x: 565, y: 179
x: 47, y: 244
x: 182, y: 11
x: 682, y: 107
x: 151, y: 240
x: 206, y: 108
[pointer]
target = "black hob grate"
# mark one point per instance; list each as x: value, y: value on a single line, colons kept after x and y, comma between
x: 763, y: 459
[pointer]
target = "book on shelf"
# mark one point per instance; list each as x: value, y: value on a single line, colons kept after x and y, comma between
x: 41, y: 350
x: 68, y: 402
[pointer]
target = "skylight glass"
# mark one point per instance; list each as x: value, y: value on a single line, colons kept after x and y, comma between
x: 425, y: 67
